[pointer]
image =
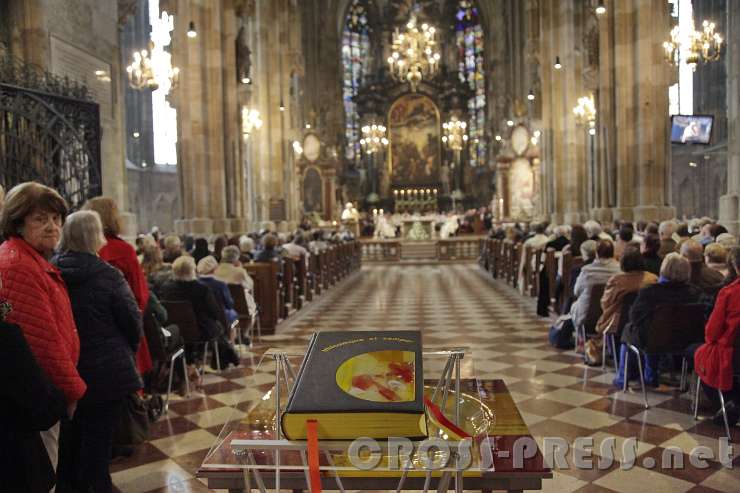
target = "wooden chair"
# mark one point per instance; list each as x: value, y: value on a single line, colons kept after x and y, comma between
x: 266, y: 293
x: 181, y: 314
x: 247, y: 320
x: 593, y: 313
x: 673, y: 328
x: 301, y: 283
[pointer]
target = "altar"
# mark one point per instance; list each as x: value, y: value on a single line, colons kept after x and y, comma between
x: 418, y: 228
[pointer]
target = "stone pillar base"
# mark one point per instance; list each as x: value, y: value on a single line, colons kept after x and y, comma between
x: 602, y: 214
x: 222, y: 225
x: 655, y: 213
x: 729, y: 207
x: 129, y: 225
x: 574, y: 217
x: 556, y: 218
x: 624, y: 213
x: 196, y: 226
x: 239, y: 225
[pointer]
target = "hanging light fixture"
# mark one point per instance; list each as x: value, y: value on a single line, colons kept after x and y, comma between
x: 415, y: 54
x: 282, y: 106
x: 530, y: 96
x: 557, y: 65
x: 191, y: 30
x: 585, y: 113
x: 600, y: 8
x: 692, y: 46
x: 151, y: 68
x: 373, y: 138
x: 251, y: 121
x: 455, y: 134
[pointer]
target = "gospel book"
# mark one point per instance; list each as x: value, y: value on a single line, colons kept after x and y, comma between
x: 359, y: 384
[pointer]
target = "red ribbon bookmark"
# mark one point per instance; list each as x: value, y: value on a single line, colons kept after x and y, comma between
x: 312, y: 437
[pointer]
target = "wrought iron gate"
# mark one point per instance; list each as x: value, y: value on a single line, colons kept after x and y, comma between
x: 49, y: 132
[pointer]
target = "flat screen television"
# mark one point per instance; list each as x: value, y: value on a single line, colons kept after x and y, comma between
x: 691, y: 129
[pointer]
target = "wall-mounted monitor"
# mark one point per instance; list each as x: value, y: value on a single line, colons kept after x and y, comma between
x: 691, y: 129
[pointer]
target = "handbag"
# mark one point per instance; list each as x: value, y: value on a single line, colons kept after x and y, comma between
x: 561, y: 333
x: 132, y: 423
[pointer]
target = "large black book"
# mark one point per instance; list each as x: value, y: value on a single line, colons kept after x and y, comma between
x: 359, y: 384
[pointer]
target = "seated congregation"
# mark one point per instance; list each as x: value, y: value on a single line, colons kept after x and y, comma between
x: 651, y: 299
x: 90, y: 324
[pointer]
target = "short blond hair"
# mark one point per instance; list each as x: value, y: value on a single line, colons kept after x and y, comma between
x: 675, y: 268
x: 82, y: 232
x: 171, y: 242
x: 107, y: 208
x: 715, y: 253
x: 183, y: 268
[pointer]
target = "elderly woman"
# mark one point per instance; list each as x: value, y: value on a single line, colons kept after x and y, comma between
x: 110, y: 327
x: 206, y: 269
x: 715, y: 257
x: 716, y: 361
x: 594, y: 274
x: 184, y: 286
x: 632, y: 279
x: 672, y: 288
x: 246, y: 247
x: 269, y: 250
x: 122, y: 255
x: 230, y: 271
x: 172, y: 248
x: 31, y: 223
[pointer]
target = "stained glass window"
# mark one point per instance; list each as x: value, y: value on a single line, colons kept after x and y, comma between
x: 356, y: 66
x: 469, y: 40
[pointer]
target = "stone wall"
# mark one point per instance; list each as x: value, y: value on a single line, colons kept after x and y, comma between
x: 154, y: 196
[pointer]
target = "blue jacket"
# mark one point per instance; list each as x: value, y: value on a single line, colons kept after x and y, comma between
x: 221, y: 291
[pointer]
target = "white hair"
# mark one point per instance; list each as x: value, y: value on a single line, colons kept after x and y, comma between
x: 230, y: 254
x: 588, y: 249
x: 246, y: 244
x: 593, y: 228
x: 666, y: 229
x: 82, y: 232
x: 726, y: 240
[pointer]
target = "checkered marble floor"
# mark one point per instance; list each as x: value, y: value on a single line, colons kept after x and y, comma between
x: 456, y: 305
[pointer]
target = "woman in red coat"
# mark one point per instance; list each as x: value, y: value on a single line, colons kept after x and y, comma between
x: 121, y: 255
x: 31, y: 222
x: 716, y: 360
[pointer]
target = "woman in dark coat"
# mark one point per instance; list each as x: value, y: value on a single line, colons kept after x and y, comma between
x: 31, y: 403
x: 110, y: 327
x: 672, y: 288
x: 184, y: 287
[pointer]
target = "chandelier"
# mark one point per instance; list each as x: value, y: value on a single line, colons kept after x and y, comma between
x: 251, y: 121
x: 585, y: 113
x: 151, y: 68
x: 693, y: 46
x: 455, y: 134
x: 415, y: 54
x: 373, y: 138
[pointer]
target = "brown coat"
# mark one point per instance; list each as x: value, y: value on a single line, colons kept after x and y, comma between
x: 616, y: 289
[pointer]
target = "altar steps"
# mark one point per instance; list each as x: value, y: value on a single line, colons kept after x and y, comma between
x: 419, y: 250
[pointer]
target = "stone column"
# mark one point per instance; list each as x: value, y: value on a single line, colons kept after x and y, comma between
x: 208, y: 118
x: 729, y: 204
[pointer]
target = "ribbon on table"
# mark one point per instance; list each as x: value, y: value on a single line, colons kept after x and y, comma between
x: 312, y: 438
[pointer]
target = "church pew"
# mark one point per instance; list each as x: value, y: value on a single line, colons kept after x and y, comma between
x: 287, y: 286
x: 495, y: 258
x: 266, y: 293
x: 302, y: 280
x: 551, y: 272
